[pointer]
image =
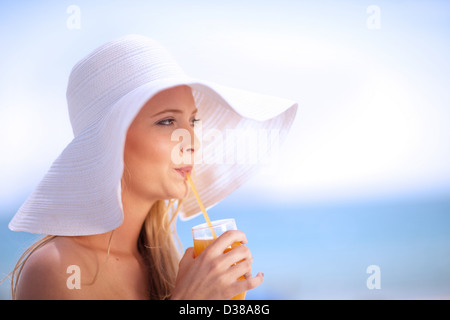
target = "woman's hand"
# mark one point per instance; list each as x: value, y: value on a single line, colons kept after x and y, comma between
x: 213, y: 274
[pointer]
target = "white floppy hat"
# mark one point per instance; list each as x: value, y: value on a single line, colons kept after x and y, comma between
x: 81, y: 192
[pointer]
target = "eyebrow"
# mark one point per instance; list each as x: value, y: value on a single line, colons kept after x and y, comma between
x: 172, y: 111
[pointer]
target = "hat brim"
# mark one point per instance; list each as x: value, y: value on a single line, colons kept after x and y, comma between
x: 81, y: 192
x: 247, y: 124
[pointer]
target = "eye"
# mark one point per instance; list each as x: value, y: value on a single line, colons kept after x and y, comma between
x: 166, y: 122
x: 194, y: 122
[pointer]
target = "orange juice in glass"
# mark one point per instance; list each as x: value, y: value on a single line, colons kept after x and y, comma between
x: 204, y: 236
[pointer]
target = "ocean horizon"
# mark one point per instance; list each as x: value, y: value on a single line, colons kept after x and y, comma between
x: 323, y: 251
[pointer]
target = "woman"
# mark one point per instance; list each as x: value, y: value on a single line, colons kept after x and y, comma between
x: 109, y: 202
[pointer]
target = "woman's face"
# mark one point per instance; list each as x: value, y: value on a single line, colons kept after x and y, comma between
x: 152, y: 168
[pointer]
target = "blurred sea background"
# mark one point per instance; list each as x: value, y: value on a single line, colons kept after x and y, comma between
x: 363, y: 178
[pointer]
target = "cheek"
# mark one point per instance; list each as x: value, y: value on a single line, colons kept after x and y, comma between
x: 159, y: 151
x: 148, y: 156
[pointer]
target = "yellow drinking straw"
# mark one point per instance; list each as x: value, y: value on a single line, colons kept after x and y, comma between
x: 194, y: 190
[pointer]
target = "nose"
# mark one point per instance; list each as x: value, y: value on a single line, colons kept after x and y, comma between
x: 189, y: 145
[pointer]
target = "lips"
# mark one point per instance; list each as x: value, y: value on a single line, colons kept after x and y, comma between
x: 184, y: 170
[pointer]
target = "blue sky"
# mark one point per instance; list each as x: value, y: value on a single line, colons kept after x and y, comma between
x: 373, y: 103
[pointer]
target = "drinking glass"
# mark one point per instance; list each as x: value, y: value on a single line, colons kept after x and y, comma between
x: 203, y: 236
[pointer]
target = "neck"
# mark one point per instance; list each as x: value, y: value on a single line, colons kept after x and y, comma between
x: 125, y: 237
x: 135, y: 209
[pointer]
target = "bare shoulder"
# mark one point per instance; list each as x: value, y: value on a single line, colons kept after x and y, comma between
x: 51, y: 271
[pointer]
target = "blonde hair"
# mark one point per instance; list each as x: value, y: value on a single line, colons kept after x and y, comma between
x: 160, y: 247
x: 158, y: 244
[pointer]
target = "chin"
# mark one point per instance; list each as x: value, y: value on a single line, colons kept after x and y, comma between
x: 179, y: 195
x: 179, y: 192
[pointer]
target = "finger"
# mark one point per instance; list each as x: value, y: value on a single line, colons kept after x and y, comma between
x: 189, y: 253
x: 226, y: 240
x: 188, y: 256
x: 250, y: 283
x: 242, y: 269
x: 237, y: 255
